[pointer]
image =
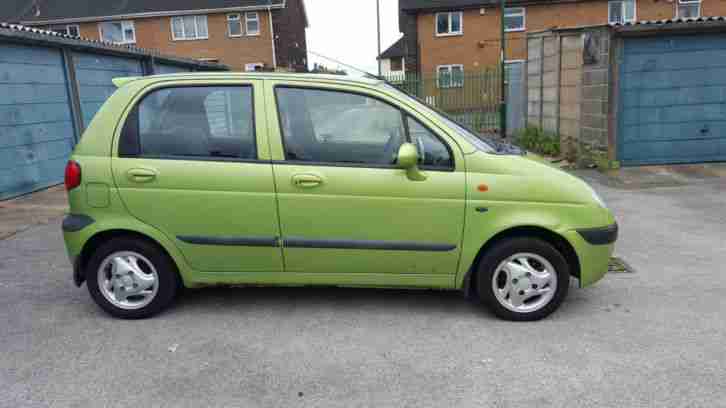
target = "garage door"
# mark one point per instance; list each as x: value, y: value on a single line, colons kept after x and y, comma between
x: 673, y: 100
x: 94, y: 73
x: 36, y: 129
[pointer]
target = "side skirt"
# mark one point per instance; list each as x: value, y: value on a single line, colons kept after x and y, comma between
x: 326, y: 279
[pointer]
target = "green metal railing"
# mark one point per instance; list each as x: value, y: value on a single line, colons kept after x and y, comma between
x: 472, y: 98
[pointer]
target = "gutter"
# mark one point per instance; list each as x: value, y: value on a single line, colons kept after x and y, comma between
x: 151, y: 15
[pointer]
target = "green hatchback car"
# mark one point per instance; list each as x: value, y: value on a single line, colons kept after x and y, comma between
x: 192, y: 180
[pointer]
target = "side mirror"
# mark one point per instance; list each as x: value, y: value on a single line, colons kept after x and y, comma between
x: 408, y: 160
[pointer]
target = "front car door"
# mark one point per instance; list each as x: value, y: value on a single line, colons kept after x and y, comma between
x: 345, y: 207
x: 193, y: 162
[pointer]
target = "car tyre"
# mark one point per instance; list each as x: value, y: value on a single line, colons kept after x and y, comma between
x: 131, y: 278
x: 523, y: 279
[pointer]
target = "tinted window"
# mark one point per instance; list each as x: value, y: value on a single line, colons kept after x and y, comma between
x: 433, y: 153
x: 338, y: 127
x: 191, y: 122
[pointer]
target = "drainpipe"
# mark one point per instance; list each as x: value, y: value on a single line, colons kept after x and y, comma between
x: 272, y: 34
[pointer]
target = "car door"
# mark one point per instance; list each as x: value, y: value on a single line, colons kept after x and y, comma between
x: 345, y: 207
x: 193, y: 162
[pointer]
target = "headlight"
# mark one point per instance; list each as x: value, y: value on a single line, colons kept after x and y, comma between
x: 596, y: 197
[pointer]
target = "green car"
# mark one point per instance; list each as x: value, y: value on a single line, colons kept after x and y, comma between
x: 194, y: 180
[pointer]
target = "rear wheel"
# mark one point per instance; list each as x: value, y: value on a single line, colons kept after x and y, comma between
x: 523, y: 279
x: 131, y: 278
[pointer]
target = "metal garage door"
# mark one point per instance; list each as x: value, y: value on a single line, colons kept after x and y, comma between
x: 673, y: 100
x: 94, y: 73
x: 36, y: 129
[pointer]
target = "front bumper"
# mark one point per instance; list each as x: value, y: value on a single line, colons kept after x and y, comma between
x: 594, y: 247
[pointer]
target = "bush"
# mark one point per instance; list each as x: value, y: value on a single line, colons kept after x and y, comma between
x: 537, y: 140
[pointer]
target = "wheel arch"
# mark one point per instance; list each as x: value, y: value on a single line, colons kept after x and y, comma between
x: 100, y: 237
x: 556, y: 240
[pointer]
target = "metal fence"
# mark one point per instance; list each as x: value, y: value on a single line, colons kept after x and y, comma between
x: 472, y: 98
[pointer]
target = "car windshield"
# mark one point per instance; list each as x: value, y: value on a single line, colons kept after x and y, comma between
x: 480, y: 142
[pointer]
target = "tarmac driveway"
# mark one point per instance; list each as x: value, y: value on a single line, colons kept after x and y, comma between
x: 655, y: 338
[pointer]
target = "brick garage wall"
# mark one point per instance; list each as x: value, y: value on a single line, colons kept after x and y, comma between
x: 568, y: 90
x: 594, y: 120
x: 155, y: 33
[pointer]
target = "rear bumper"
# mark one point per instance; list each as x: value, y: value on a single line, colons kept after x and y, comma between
x: 72, y: 226
x: 594, y: 257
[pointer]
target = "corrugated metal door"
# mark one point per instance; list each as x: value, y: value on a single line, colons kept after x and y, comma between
x: 516, y: 96
x: 169, y: 69
x: 673, y: 100
x: 94, y: 74
x: 36, y: 127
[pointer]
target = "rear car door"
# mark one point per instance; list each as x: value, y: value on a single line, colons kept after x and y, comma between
x: 193, y: 162
x: 345, y: 207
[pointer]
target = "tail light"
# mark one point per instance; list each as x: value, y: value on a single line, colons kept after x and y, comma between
x: 73, y: 175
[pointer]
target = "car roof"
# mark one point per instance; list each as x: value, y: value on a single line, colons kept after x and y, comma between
x: 253, y: 75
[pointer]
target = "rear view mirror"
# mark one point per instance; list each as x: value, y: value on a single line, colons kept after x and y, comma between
x: 408, y: 160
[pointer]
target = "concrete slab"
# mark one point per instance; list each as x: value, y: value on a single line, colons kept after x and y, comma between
x: 664, y: 176
x: 38, y: 208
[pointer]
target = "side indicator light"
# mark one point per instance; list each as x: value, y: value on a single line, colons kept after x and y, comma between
x: 483, y: 188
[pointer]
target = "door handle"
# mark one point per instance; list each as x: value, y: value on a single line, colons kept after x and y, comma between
x: 141, y: 175
x: 306, y: 180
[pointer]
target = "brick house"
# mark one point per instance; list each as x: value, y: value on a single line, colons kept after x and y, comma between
x: 445, y: 35
x: 243, y: 34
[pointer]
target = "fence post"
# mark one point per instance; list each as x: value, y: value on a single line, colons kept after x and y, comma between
x: 74, y: 95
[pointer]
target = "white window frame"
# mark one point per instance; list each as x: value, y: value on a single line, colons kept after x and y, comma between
x: 449, y: 67
x: 508, y: 12
x: 622, y: 12
x: 689, y: 2
x: 234, y: 17
x: 78, y: 30
x: 449, y: 33
x: 248, y: 19
x: 252, y: 67
x: 196, y: 28
x: 124, y: 26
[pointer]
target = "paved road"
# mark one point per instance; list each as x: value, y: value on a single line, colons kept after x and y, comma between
x: 656, y: 338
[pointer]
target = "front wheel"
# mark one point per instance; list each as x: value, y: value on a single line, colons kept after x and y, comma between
x: 131, y: 278
x: 523, y: 279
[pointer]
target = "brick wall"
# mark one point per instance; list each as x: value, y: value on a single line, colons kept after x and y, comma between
x: 594, y: 120
x: 290, y: 39
x: 155, y: 33
x: 479, y: 46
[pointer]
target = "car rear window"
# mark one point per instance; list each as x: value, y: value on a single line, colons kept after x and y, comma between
x: 187, y: 123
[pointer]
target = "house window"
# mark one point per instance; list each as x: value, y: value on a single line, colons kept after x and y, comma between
x: 689, y: 9
x: 119, y: 32
x: 514, y: 19
x: 189, y: 28
x: 450, y: 76
x: 397, y: 64
x: 255, y: 66
x: 621, y: 11
x: 73, y: 30
x: 234, y: 25
x: 252, y: 23
x: 449, y: 23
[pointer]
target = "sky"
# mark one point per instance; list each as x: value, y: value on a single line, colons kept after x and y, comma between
x: 346, y: 31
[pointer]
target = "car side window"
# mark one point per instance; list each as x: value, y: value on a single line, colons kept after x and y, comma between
x: 338, y: 127
x: 432, y: 152
x: 187, y: 123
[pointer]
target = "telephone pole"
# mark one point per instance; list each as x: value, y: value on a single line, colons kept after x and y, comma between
x: 378, y: 19
x: 503, y: 91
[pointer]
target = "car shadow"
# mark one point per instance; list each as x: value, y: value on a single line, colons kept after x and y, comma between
x: 312, y: 299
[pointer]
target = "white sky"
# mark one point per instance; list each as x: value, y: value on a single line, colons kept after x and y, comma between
x: 346, y: 30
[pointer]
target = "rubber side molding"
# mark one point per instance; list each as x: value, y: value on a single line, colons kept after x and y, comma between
x: 231, y: 241
x: 296, y: 242
x: 76, y: 222
x: 600, y: 236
